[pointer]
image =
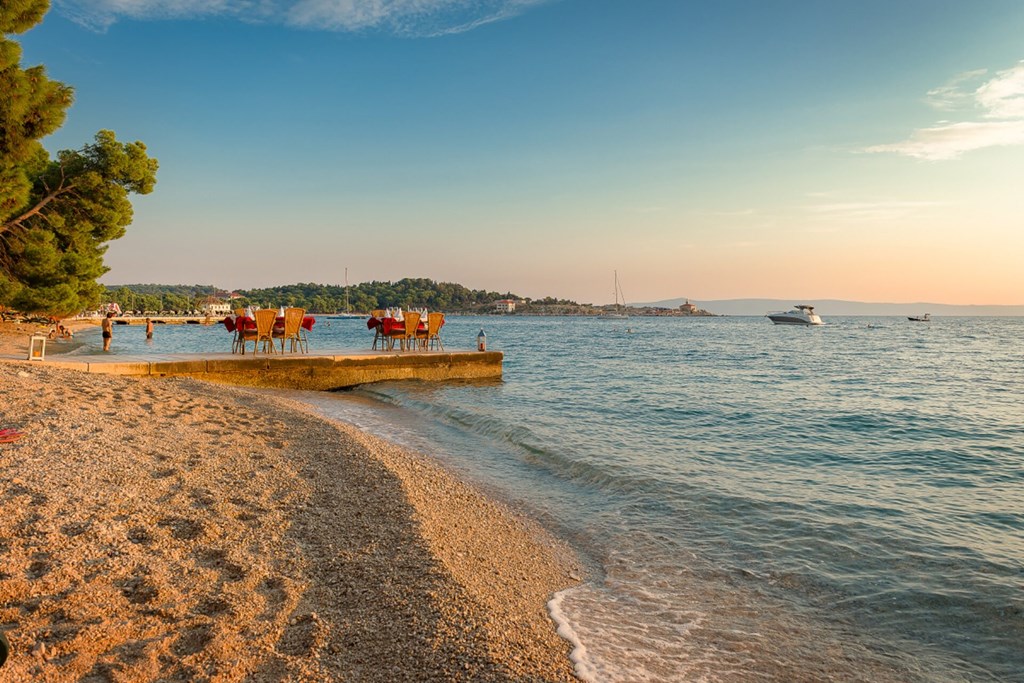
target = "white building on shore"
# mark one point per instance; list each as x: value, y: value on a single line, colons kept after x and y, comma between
x: 217, y: 308
x: 505, y: 306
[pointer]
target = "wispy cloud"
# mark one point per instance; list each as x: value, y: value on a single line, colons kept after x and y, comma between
x: 949, y: 141
x: 400, y: 17
x: 868, y: 211
x: 958, y: 92
x: 734, y: 213
x: 100, y: 14
x: 992, y: 116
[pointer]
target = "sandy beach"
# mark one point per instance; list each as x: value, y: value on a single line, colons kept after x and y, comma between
x: 172, y: 530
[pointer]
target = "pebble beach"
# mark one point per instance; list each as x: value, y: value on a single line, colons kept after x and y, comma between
x: 172, y: 530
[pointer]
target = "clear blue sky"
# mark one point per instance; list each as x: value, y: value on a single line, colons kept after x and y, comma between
x: 869, y: 150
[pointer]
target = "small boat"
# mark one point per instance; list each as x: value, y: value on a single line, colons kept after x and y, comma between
x: 801, y: 314
x: 926, y: 318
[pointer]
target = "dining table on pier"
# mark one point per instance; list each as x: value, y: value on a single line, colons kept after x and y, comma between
x: 239, y: 323
x: 389, y: 325
x: 387, y: 328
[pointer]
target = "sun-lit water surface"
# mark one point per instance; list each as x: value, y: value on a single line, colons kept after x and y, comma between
x: 758, y: 502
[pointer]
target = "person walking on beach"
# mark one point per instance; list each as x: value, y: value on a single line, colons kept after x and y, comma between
x: 149, y: 329
x: 108, y: 330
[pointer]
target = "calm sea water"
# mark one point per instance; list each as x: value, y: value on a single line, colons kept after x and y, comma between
x: 756, y: 502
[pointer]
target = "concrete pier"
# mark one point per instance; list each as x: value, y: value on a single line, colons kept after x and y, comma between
x: 315, y: 371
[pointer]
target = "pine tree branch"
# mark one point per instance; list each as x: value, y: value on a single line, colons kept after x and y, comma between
x: 39, y: 206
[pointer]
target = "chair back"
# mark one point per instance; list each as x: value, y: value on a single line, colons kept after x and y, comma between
x: 377, y: 313
x: 412, y: 323
x: 265, y: 318
x: 239, y: 312
x: 293, y: 321
x: 434, y: 323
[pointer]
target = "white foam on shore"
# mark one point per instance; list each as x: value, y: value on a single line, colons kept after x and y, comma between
x: 585, y: 670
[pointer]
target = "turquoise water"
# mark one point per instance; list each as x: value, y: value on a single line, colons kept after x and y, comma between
x: 756, y: 502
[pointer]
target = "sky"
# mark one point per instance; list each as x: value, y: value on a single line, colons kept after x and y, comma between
x: 712, y: 149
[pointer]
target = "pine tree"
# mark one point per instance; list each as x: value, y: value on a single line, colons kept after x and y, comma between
x: 31, y: 106
x: 56, y: 215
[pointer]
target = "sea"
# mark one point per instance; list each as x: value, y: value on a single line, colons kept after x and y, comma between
x: 753, y: 502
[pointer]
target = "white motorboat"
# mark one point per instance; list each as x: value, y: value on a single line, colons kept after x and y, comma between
x: 802, y: 314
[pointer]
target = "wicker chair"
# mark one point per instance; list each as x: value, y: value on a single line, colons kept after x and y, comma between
x: 378, y: 332
x: 238, y: 344
x: 393, y: 332
x: 246, y: 334
x: 236, y: 331
x: 408, y: 337
x: 265, y: 319
x: 292, y: 331
x: 433, y: 334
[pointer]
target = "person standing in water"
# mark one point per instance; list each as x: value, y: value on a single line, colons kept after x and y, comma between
x: 149, y: 330
x: 107, y: 325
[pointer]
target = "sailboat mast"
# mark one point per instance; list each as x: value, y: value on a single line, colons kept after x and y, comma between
x: 348, y: 309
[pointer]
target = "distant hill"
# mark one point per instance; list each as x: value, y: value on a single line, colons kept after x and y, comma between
x: 827, y: 307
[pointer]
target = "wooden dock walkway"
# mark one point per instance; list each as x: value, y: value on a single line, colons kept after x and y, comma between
x: 320, y: 371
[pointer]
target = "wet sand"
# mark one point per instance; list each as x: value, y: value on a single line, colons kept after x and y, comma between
x: 167, y: 529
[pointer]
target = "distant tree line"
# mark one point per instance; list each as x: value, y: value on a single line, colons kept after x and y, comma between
x: 367, y: 296
x: 360, y: 298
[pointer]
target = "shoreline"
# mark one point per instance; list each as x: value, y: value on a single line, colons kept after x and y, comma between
x: 176, y: 529
x: 14, y: 337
